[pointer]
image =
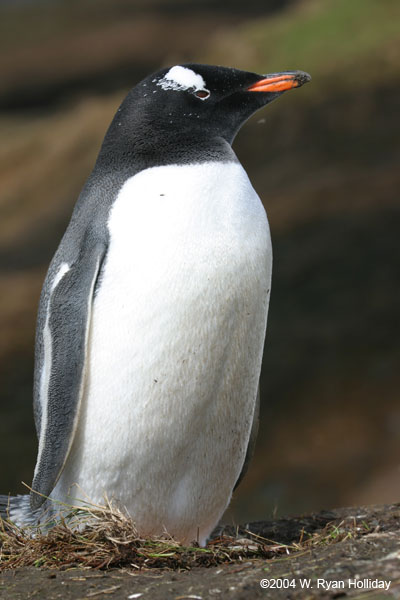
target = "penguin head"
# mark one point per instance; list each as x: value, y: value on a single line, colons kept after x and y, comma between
x: 193, y: 104
x: 220, y: 98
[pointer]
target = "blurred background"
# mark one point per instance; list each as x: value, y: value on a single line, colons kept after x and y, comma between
x: 325, y: 161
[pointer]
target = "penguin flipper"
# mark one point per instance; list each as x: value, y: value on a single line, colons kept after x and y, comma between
x: 252, y: 440
x: 68, y: 307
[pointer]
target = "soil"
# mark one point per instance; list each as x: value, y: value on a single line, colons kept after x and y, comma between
x: 368, y: 557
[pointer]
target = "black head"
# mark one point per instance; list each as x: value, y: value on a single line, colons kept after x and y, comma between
x: 191, y: 108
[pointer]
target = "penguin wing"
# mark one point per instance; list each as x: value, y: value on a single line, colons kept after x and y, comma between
x: 252, y: 440
x: 62, y: 340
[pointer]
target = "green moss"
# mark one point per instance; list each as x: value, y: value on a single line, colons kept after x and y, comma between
x: 336, y: 30
x: 352, y: 40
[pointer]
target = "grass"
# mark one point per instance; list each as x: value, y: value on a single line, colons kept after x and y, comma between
x: 101, y: 537
x: 345, y: 42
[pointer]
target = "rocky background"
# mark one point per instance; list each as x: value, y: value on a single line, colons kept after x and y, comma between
x: 325, y: 161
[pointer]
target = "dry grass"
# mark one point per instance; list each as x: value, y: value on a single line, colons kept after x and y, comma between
x: 106, y: 537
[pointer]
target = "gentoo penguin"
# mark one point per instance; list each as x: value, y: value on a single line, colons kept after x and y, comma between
x: 153, y: 313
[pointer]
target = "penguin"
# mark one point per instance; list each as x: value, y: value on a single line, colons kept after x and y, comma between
x: 153, y: 313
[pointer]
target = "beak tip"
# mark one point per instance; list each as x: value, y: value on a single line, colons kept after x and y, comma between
x: 302, y: 77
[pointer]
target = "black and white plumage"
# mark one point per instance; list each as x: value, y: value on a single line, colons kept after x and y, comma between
x: 153, y: 313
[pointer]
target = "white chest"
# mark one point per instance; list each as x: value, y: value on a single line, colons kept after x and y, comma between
x: 201, y: 220
x: 175, y: 345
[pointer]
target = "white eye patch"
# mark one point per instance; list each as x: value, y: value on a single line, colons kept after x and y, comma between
x: 180, y: 79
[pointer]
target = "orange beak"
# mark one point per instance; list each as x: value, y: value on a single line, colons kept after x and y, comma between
x: 280, y: 82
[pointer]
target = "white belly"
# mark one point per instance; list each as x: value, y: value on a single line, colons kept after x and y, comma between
x: 175, y: 348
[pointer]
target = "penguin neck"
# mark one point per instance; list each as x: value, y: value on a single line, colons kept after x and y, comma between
x: 145, y: 143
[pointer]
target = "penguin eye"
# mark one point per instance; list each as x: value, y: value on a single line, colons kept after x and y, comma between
x: 202, y: 94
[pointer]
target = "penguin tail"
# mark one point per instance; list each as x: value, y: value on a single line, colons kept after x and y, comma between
x: 17, y: 509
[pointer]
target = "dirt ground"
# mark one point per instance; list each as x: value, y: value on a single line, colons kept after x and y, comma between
x: 364, y: 564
